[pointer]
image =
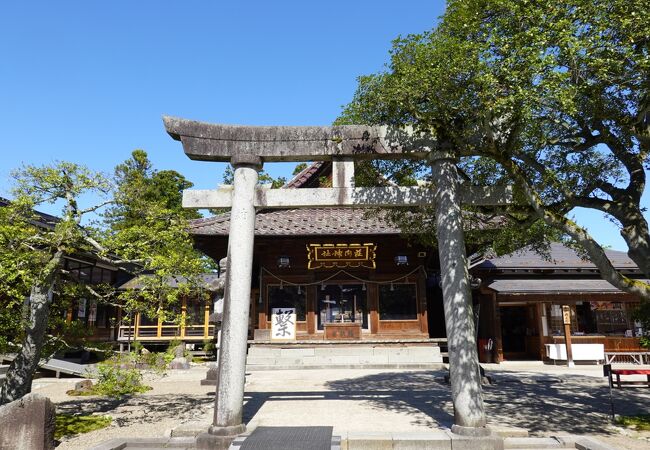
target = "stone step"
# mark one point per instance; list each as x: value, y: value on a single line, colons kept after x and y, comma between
x: 176, y: 443
x: 344, y: 356
x: 531, y: 443
x: 508, y: 431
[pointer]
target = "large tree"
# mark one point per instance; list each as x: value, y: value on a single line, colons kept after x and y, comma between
x: 32, y: 255
x: 551, y: 96
x: 146, y: 223
x: 143, y: 230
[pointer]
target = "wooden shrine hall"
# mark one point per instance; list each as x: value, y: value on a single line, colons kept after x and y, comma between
x: 348, y: 274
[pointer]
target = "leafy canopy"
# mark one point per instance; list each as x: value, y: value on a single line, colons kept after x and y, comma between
x: 551, y: 96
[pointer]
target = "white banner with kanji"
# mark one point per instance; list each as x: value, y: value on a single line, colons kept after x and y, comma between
x: 283, y: 324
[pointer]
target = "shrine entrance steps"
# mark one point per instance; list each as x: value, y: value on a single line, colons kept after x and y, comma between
x: 417, y: 354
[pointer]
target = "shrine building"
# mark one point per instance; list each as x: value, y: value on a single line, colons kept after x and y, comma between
x: 355, y: 281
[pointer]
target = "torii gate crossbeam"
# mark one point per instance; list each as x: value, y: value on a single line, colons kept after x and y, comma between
x: 247, y: 148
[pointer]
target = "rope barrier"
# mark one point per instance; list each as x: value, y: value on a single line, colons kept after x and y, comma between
x: 344, y: 272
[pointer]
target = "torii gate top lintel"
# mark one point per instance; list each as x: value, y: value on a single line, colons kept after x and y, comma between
x: 218, y: 142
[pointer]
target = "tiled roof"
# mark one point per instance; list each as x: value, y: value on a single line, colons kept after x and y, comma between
x: 301, y: 222
x: 562, y: 257
x: 44, y: 220
x: 554, y: 286
x: 306, y: 175
x: 207, y: 280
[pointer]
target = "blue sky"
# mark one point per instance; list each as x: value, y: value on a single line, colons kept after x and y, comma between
x: 89, y: 81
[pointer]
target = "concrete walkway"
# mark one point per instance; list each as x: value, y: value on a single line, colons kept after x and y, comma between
x: 546, y: 400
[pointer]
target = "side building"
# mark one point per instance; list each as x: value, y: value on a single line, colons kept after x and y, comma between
x: 522, y: 295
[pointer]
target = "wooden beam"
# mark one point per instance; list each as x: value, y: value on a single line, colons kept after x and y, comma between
x: 348, y: 197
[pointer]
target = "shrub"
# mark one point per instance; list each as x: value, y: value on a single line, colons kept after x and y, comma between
x: 154, y: 361
x: 170, y: 354
x: 209, y: 347
x: 115, y: 379
x: 645, y: 341
x: 136, y: 347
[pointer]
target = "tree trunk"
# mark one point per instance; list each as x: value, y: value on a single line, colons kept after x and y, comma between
x: 636, y: 235
x: 18, y: 381
x: 464, y: 376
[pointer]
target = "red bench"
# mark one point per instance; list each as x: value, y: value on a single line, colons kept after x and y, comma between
x: 619, y: 372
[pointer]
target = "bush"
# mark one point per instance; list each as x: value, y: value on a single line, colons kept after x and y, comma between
x: 116, y: 379
x: 170, y: 354
x: 136, y: 347
x: 645, y: 341
x: 209, y: 347
x: 153, y: 361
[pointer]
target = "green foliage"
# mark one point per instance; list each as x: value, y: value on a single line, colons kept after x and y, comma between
x: 156, y: 362
x: 170, y: 353
x: 551, y: 96
x: 299, y: 168
x: 116, y: 378
x: 263, y: 178
x: 147, y: 225
x: 644, y: 341
x: 33, y: 248
x: 70, y: 424
x: 210, y: 348
x: 639, y: 422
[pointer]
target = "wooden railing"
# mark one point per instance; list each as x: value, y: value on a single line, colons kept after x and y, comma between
x: 165, y: 332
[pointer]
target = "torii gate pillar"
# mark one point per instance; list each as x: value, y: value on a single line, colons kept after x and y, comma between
x: 229, y: 401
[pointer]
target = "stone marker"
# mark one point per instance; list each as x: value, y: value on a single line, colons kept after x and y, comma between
x: 83, y: 385
x: 27, y: 424
x: 211, y: 376
x: 180, y: 361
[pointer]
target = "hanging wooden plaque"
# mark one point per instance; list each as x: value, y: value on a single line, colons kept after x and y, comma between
x: 341, y: 255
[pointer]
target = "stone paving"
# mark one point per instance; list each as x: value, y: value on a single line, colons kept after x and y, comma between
x: 546, y: 400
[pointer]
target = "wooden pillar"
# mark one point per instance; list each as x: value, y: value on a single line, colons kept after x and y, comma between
x: 160, y: 325
x: 206, y: 320
x: 566, y: 318
x: 497, y: 329
x: 422, y: 303
x: 118, y: 323
x: 136, y: 327
x: 262, y: 307
x: 183, y: 315
x: 310, y: 299
x: 540, y: 330
x: 373, y: 306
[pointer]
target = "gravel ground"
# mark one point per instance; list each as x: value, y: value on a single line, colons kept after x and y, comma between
x: 546, y: 400
x: 175, y: 399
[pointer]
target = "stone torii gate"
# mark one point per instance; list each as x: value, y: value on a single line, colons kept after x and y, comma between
x: 247, y: 148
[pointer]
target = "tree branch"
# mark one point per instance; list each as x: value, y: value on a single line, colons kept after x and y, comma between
x: 580, y: 235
